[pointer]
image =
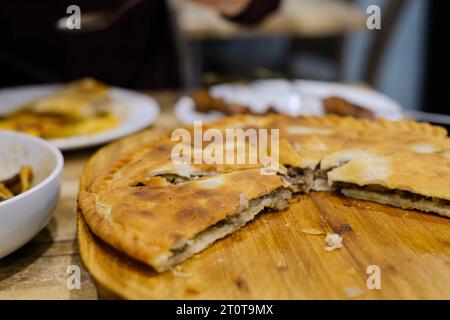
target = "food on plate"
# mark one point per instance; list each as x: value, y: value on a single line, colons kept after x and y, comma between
x: 343, y: 107
x: 82, y: 107
x: 17, y: 184
x: 205, y: 102
x: 134, y: 197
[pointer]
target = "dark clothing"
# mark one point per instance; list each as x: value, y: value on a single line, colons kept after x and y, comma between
x: 137, y: 51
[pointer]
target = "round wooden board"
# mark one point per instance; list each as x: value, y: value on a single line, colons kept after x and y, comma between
x: 273, y: 258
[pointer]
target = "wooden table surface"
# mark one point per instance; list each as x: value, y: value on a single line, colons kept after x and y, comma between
x: 39, y: 269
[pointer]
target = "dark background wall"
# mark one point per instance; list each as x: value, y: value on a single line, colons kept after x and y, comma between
x: 437, y: 84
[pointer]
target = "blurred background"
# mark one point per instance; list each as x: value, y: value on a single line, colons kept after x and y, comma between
x: 187, y: 44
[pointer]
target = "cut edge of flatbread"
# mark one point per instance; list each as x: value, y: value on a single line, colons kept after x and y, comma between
x: 186, y: 248
x: 397, y: 198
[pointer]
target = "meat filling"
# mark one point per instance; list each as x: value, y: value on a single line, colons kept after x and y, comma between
x: 299, y: 180
x: 320, y: 182
x: 395, y: 197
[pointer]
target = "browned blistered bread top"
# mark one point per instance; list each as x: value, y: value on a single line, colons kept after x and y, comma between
x: 128, y: 201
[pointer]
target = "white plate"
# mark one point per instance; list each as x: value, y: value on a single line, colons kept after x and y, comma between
x: 298, y: 97
x: 139, y: 112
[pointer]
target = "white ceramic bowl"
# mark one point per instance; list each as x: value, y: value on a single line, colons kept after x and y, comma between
x: 23, y: 216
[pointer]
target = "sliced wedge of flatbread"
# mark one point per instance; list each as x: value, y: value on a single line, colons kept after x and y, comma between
x: 163, y: 225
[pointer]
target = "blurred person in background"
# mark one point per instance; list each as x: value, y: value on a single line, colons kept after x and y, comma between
x: 137, y: 50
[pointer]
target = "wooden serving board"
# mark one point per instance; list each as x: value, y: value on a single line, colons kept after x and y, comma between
x: 272, y: 258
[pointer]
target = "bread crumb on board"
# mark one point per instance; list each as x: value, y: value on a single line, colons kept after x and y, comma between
x: 178, y: 272
x: 312, y: 231
x: 195, y: 286
x: 353, y: 292
x: 282, y: 265
x: 334, y: 241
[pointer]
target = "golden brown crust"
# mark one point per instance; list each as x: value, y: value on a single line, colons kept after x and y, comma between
x: 426, y: 174
x: 383, y: 126
x: 108, y: 159
x: 127, y: 201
